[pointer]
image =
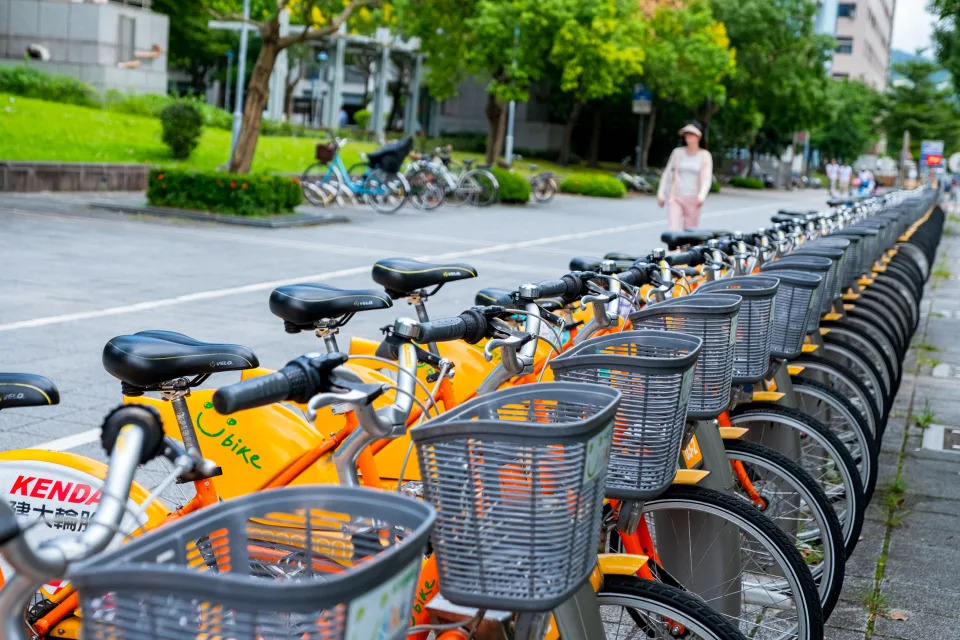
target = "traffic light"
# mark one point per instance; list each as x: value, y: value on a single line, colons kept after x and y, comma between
x: 934, y: 160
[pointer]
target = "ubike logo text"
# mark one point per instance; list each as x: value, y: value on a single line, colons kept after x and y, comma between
x: 229, y: 440
x: 49, y: 489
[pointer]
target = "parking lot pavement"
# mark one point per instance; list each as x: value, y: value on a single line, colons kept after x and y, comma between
x: 75, y: 277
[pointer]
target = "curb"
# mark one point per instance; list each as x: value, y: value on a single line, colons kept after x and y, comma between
x: 272, y: 222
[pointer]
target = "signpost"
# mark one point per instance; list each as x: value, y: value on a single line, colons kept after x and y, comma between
x: 931, y: 153
x: 642, y: 106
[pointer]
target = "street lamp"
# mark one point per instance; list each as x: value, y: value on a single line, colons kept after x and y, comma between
x: 226, y: 84
x: 319, y: 84
x: 241, y: 68
x: 512, y: 109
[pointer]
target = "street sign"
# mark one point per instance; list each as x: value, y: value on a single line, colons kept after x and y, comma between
x: 642, y: 100
x: 931, y: 150
x: 954, y: 163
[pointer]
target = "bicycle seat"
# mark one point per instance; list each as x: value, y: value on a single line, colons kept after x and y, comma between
x: 619, y: 256
x: 307, y: 304
x: 149, y: 358
x: 467, y: 162
x: 401, y: 277
x: 495, y: 296
x: 26, y: 390
x: 677, y: 239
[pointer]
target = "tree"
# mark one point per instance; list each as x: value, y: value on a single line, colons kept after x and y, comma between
x: 193, y: 47
x: 319, y: 18
x: 780, y: 80
x: 506, y: 43
x: 688, y: 59
x: 852, y: 110
x: 917, y: 106
x: 946, y: 37
x: 598, y: 50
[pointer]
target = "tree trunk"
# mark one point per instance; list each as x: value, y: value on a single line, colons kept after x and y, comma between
x: 709, y: 109
x: 594, y: 155
x: 495, y: 118
x: 564, y: 158
x: 648, y: 135
x: 258, y: 91
x: 396, y: 94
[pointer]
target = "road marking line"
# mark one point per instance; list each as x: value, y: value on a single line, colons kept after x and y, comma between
x: 71, y: 441
x: 272, y: 284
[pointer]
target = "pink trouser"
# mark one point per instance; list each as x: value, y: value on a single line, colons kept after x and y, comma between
x: 684, y: 213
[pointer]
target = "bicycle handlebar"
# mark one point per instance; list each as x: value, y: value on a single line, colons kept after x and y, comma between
x: 692, y: 257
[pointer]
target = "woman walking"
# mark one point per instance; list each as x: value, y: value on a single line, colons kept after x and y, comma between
x: 686, y: 180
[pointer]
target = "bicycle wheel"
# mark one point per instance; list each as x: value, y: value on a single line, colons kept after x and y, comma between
x: 632, y: 608
x: 862, y: 369
x: 778, y: 596
x: 841, y: 333
x: 385, y: 192
x: 426, y: 193
x: 544, y: 188
x: 846, y: 384
x: 868, y: 332
x: 822, y: 455
x: 480, y: 186
x: 836, y: 413
x: 315, y: 184
x: 895, y: 313
x: 880, y: 316
x: 791, y: 498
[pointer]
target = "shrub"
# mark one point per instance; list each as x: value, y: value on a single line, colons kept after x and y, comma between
x: 513, y: 187
x: 31, y: 83
x: 597, y: 186
x: 746, y: 183
x: 362, y: 118
x: 243, y: 195
x: 182, y: 124
x: 142, y: 104
x: 714, y: 185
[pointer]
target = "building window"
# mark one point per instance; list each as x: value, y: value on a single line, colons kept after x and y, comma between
x: 125, y: 39
x: 844, y: 44
x: 841, y: 76
x: 847, y: 10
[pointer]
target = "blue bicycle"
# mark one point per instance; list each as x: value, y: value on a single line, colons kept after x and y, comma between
x: 375, y: 180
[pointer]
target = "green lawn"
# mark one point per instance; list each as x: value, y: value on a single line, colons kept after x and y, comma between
x: 39, y: 130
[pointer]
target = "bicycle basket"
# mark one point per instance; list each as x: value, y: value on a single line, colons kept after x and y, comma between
x: 751, y: 354
x: 653, y: 370
x: 854, y: 251
x: 517, y: 477
x: 325, y: 152
x: 845, y: 272
x: 240, y: 569
x: 793, y: 309
x: 713, y: 319
x: 834, y: 285
x: 808, y: 264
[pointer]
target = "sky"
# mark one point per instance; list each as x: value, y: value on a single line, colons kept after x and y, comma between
x: 912, y: 26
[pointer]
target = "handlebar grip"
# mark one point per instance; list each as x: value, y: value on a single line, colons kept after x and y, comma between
x: 636, y: 276
x: 692, y: 258
x: 442, y: 330
x: 255, y: 392
x: 140, y: 415
x: 550, y: 288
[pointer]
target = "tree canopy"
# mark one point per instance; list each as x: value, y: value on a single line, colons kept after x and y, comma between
x: 852, y: 111
x: 918, y: 106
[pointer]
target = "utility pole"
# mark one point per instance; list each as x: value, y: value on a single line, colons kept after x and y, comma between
x: 241, y: 68
x: 512, y: 109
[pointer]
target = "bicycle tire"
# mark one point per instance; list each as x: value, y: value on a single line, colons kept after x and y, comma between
x: 312, y: 182
x: 843, y: 381
x: 846, y: 494
x: 907, y: 272
x: 910, y: 304
x: 732, y: 510
x: 487, y: 190
x: 843, y: 335
x: 861, y: 367
x: 869, y: 331
x: 876, y: 314
x: 836, y: 413
x: 826, y: 535
x: 888, y: 301
x: 675, y: 605
x: 424, y: 184
x: 380, y: 185
x: 916, y: 256
x: 543, y: 189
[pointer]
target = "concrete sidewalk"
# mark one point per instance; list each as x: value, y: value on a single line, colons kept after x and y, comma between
x: 903, y: 580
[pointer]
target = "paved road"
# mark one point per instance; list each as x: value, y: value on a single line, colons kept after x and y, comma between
x: 74, y: 277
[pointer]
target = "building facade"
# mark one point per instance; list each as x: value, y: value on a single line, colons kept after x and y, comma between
x: 119, y: 44
x: 864, y: 29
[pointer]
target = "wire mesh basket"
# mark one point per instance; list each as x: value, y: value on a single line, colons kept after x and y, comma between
x: 654, y: 372
x: 808, y: 264
x: 834, y: 276
x: 713, y: 319
x: 794, y: 307
x: 325, y: 152
x: 321, y: 562
x: 869, y: 246
x: 845, y: 273
x: 517, y: 478
x: 751, y: 354
x: 855, y: 251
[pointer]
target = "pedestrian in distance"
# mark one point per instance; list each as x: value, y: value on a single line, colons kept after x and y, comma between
x: 342, y: 118
x: 844, y: 173
x: 686, y: 180
x: 833, y: 174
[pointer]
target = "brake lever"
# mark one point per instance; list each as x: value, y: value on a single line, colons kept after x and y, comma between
x: 509, y: 342
x: 189, y: 467
x: 352, y: 399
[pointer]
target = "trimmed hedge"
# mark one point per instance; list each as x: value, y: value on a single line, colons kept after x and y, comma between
x: 746, y: 183
x: 31, y: 83
x: 242, y: 195
x: 514, y: 188
x: 182, y: 124
x: 597, y: 186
